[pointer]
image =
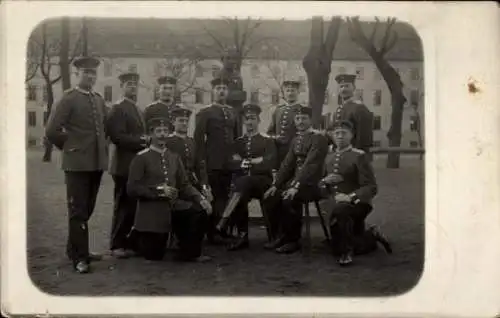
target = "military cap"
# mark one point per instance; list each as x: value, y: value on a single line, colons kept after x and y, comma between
x: 220, y: 80
x: 345, y: 78
x: 292, y: 83
x: 157, y: 122
x: 180, y: 112
x: 304, y: 110
x: 86, y: 62
x: 128, y: 77
x: 251, y: 108
x: 341, y: 124
x: 167, y: 80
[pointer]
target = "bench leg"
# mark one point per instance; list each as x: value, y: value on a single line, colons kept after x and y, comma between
x: 308, y: 229
x: 322, y: 220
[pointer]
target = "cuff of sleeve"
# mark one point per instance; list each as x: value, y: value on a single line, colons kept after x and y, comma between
x: 354, y: 198
x: 296, y: 184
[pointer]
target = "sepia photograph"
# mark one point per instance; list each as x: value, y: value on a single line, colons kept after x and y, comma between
x: 225, y: 157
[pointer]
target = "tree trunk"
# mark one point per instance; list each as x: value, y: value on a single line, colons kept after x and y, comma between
x: 85, y: 46
x: 395, y: 132
x: 64, y: 66
x: 48, y: 147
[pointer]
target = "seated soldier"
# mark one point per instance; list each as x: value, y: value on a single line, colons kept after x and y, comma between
x: 252, y: 162
x: 350, y: 185
x: 157, y: 178
x: 296, y: 181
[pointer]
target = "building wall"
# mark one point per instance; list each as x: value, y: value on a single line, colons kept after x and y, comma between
x: 260, y: 77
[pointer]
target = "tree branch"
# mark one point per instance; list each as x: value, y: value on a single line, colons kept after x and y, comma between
x: 332, y: 34
x: 214, y: 38
x: 388, y: 32
x: 374, y: 31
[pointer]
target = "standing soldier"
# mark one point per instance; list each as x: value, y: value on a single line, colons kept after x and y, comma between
x: 296, y: 181
x: 356, y: 112
x: 127, y: 131
x: 77, y: 127
x: 157, y: 178
x: 282, y: 127
x: 351, y: 185
x: 254, y: 158
x: 161, y: 108
x: 215, y: 131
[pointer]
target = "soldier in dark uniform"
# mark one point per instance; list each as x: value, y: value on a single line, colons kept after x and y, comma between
x: 157, y: 179
x: 282, y: 127
x: 356, y: 112
x: 350, y: 185
x: 163, y: 106
x: 127, y: 131
x: 215, y: 131
x: 296, y: 181
x: 77, y: 127
x: 254, y: 157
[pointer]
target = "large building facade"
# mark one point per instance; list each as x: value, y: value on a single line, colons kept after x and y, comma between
x: 262, y: 77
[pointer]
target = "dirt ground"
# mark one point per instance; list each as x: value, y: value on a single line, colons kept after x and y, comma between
x: 399, y: 210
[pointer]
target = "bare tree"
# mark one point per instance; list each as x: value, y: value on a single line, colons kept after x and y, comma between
x: 377, y: 48
x: 53, y: 53
x: 317, y: 63
x: 418, y: 123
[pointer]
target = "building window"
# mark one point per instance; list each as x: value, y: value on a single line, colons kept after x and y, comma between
x: 254, y: 97
x: 359, y: 94
x: 198, y: 96
x: 377, y: 97
x: 414, y: 123
x: 45, y: 95
x: 254, y: 70
x: 156, y: 93
x: 132, y: 68
x: 215, y: 71
x: 377, y: 123
x: 45, y: 118
x: 413, y: 144
x: 414, y: 74
x: 32, y: 92
x: 32, y: 119
x: 303, y: 83
x: 108, y: 68
x: 108, y: 93
x: 275, y: 96
x: 339, y: 100
x: 199, y: 70
x: 376, y: 143
x: 414, y: 97
x: 360, y: 73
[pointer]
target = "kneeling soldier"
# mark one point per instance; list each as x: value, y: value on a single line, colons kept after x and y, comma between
x: 253, y: 161
x: 299, y: 174
x: 350, y: 183
x: 157, y: 178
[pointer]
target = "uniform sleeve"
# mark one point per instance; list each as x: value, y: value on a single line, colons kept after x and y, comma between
x: 237, y: 124
x: 136, y: 183
x: 287, y: 167
x: 366, y: 177
x: 269, y: 158
x: 271, y: 130
x: 199, y: 136
x: 186, y: 190
x: 315, y: 160
x: 364, y: 128
x: 59, y: 117
x: 234, y: 164
x: 117, y: 131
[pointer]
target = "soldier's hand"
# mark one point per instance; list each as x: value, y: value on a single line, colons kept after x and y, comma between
x: 270, y: 192
x: 206, y: 206
x: 207, y: 192
x: 290, y: 194
x: 245, y: 164
x: 333, y: 178
x: 342, y: 197
x: 171, y: 192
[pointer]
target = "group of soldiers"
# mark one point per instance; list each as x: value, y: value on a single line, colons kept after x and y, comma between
x: 167, y: 184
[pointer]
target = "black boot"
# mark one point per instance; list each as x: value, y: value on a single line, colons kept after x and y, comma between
x: 240, y: 243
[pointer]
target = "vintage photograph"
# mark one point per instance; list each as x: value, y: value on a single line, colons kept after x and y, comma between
x: 225, y: 157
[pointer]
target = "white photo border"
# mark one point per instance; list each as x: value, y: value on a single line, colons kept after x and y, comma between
x: 462, y: 222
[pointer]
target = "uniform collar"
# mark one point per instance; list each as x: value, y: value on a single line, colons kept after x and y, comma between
x: 310, y: 130
x: 157, y: 149
x: 251, y: 135
x: 290, y: 105
x: 179, y: 135
x: 81, y: 90
x: 129, y: 100
x: 221, y: 105
x: 343, y: 150
x: 159, y: 101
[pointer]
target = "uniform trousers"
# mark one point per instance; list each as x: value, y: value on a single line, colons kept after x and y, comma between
x: 287, y: 214
x: 220, y: 183
x: 123, y: 216
x: 347, y: 229
x: 82, y: 188
x: 189, y: 226
x: 249, y: 187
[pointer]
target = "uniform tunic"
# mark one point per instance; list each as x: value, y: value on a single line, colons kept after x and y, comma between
x: 149, y: 169
x: 361, y: 118
x: 282, y: 128
x: 77, y: 127
x: 160, y: 109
